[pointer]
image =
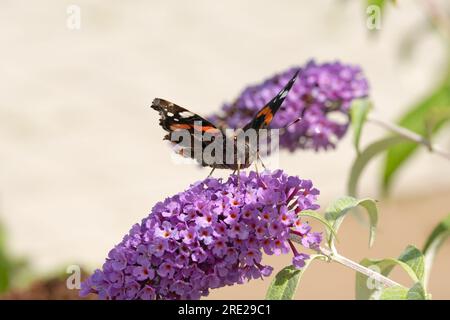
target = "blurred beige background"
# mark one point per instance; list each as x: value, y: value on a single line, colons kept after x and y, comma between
x: 81, y: 152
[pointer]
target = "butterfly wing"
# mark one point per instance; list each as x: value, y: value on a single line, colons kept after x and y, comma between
x: 265, y: 115
x: 180, y: 122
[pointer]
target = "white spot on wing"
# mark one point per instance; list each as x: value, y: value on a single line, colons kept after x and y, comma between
x: 283, y: 94
x: 186, y: 114
x: 170, y: 114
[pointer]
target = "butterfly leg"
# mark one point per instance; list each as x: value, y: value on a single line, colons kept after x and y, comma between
x: 239, y: 174
x: 256, y: 167
x: 259, y: 159
x: 213, y: 168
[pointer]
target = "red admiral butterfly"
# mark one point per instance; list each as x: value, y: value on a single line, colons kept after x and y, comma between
x: 197, y: 138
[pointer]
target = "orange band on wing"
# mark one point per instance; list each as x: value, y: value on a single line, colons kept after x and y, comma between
x: 178, y: 126
x: 267, y: 113
x: 268, y: 118
x: 264, y: 111
x: 210, y: 129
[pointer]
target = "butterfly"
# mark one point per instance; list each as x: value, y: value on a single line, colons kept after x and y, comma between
x: 197, y: 138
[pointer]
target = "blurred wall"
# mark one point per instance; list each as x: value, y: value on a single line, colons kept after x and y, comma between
x: 82, y: 156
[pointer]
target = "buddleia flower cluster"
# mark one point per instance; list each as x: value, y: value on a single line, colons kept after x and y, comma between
x: 211, y: 235
x: 321, y: 97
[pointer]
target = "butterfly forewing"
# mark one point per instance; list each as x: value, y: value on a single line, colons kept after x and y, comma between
x: 266, y: 114
x: 190, y: 133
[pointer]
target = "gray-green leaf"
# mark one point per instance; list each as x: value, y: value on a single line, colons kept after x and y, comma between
x: 411, y: 260
x: 285, y: 283
x: 320, y: 218
x: 366, y: 288
x: 359, y: 110
x: 437, y: 237
x: 394, y: 293
x: 337, y: 211
x: 399, y: 293
x: 417, y: 292
x: 414, y: 258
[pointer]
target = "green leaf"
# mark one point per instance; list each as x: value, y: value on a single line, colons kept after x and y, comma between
x: 411, y: 260
x: 5, y: 264
x: 417, y: 292
x: 366, y: 288
x: 437, y: 237
x: 337, y: 211
x: 5, y: 271
x: 285, y: 283
x: 434, y: 118
x: 359, y: 110
x: 364, y: 158
x: 399, y: 293
x: 11, y: 268
x: 415, y: 120
x: 394, y: 293
x: 414, y: 258
x: 319, y: 217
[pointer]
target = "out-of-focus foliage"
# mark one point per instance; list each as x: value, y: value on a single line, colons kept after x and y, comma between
x: 336, y: 212
x: 358, y: 111
x: 424, y: 118
x: 10, y: 268
x: 437, y: 237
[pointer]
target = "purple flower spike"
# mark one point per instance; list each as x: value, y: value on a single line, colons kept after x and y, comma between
x: 209, y: 236
x: 322, y: 93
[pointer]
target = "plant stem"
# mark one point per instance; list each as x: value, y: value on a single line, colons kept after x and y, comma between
x: 359, y: 268
x: 410, y: 135
x: 334, y: 256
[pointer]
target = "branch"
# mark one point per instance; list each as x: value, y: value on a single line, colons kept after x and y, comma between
x: 410, y: 135
x: 334, y: 256
x: 359, y: 268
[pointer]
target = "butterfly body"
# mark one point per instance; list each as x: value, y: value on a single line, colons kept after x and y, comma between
x: 197, y: 138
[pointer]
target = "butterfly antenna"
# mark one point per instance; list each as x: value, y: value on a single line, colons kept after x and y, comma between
x: 213, y: 168
x: 283, y: 129
x: 293, y: 122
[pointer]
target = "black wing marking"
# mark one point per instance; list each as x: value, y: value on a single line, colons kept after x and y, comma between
x: 265, y: 115
x: 174, y: 118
